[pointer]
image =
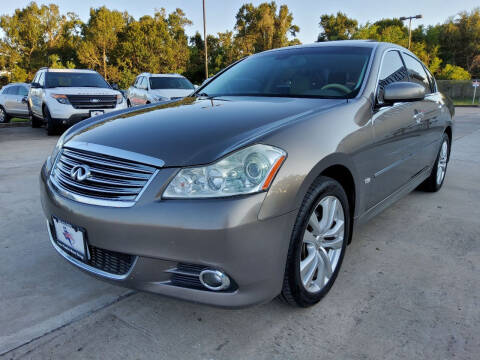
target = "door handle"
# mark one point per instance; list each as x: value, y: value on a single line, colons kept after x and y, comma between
x: 419, y: 116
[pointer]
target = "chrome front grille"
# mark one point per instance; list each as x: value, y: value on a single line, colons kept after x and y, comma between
x: 93, y: 101
x: 111, y: 181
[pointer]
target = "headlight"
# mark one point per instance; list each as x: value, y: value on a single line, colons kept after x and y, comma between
x: 56, y: 151
x: 119, y: 98
x: 61, y: 98
x: 246, y: 171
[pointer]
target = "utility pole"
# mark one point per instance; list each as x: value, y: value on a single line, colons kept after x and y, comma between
x: 409, y: 18
x: 205, y: 40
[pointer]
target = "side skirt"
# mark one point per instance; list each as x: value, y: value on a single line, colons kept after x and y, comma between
x: 394, y: 197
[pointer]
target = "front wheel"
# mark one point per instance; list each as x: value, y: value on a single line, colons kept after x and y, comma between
x: 435, y: 181
x: 51, y: 125
x: 36, y: 122
x: 318, y: 243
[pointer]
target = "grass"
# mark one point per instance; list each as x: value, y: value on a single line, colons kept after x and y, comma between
x: 464, y: 101
x: 16, y: 120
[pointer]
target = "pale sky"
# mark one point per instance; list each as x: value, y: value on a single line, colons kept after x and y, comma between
x: 306, y: 13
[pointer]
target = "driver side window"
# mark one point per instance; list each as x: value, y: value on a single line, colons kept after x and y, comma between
x: 392, y: 70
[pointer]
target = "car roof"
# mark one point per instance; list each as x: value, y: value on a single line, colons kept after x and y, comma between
x: 353, y: 43
x: 86, y: 71
x: 17, y: 83
x: 161, y: 75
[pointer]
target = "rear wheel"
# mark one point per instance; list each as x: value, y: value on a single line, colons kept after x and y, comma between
x: 435, y: 181
x: 318, y: 243
x: 4, y: 117
x: 51, y: 125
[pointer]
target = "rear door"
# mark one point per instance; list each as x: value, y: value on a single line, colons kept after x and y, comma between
x: 395, y: 134
x: 21, y: 100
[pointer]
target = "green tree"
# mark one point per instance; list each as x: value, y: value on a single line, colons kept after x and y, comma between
x: 261, y: 27
x: 32, y: 35
x: 460, y: 40
x: 453, y: 72
x: 337, y: 27
x: 155, y: 44
x: 101, y: 39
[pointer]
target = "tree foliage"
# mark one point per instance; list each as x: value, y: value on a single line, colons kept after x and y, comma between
x: 450, y: 50
x: 337, y: 27
x: 120, y: 47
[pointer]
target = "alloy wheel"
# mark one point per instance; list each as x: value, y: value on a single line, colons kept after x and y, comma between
x: 442, y: 163
x: 322, y: 244
x: 2, y: 115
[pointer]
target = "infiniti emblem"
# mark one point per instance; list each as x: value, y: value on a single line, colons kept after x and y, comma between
x: 94, y: 100
x: 80, y: 172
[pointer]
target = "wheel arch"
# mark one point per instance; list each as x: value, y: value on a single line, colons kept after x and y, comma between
x: 339, y: 167
x: 448, y: 131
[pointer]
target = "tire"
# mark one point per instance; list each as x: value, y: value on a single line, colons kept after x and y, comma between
x: 51, y: 125
x: 436, y: 179
x: 323, y: 191
x: 34, y: 121
x: 4, y: 117
x: 129, y: 104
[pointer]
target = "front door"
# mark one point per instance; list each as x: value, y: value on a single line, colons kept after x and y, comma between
x: 396, y: 135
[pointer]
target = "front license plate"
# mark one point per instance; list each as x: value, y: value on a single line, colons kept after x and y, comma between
x: 70, y: 238
x: 96, y: 112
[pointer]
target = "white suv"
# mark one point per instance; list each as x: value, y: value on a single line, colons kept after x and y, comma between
x: 63, y: 97
x: 151, y: 88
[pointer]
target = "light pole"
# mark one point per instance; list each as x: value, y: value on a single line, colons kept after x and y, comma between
x: 410, y: 26
x: 205, y: 40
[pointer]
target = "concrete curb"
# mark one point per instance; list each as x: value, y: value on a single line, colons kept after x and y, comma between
x: 468, y: 106
x: 15, y: 124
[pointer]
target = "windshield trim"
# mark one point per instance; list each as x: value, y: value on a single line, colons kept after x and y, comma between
x: 294, y: 96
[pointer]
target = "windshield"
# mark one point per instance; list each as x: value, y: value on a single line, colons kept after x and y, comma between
x: 170, y: 83
x: 318, y: 72
x: 74, y: 79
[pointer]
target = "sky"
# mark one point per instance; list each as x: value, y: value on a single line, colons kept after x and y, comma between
x: 306, y: 13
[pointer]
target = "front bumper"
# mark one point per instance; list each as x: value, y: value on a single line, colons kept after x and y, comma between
x: 68, y: 115
x: 221, y: 234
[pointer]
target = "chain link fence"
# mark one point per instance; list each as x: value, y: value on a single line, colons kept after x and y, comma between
x: 460, y: 91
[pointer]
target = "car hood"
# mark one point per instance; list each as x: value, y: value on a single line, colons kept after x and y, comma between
x: 82, y: 91
x: 194, y: 131
x: 171, y: 93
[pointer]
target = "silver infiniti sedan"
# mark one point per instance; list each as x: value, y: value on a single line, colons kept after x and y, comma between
x: 251, y: 187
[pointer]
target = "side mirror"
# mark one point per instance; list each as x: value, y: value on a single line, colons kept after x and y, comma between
x: 35, y: 85
x: 114, y: 86
x: 403, y: 91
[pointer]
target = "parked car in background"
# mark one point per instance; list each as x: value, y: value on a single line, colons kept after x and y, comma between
x: 63, y: 97
x: 151, y: 88
x: 13, y: 101
x: 252, y: 187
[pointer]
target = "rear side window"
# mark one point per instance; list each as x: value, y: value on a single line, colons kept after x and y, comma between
x: 8, y: 90
x: 433, y: 84
x: 22, y: 91
x: 392, y: 70
x: 417, y: 73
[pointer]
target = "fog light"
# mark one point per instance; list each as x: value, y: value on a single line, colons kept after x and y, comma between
x: 214, y: 280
